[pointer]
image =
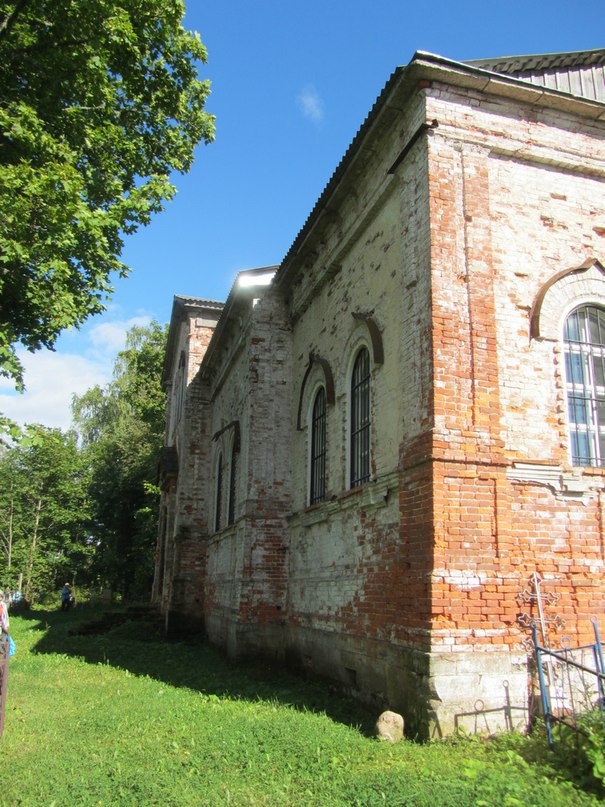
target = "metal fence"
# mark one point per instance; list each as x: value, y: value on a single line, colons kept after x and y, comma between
x: 572, y: 680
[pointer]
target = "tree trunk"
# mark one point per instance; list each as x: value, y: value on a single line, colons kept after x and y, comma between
x: 7, y: 537
x: 9, y: 549
x: 32, y: 551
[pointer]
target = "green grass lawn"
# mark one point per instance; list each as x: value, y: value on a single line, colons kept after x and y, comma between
x: 125, y: 718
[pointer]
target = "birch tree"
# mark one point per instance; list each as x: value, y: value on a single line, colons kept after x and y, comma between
x: 44, y: 511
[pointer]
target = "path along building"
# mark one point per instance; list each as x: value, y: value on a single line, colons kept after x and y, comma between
x: 372, y: 447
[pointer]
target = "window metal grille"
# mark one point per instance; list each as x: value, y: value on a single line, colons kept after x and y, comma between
x: 232, y: 487
x: 360, y: 419
x: 318, y: 449
x: 584, y: 347
x: 219, y: 494
x: 181, y: 384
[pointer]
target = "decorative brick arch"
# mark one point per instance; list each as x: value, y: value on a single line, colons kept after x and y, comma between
x: 375, y: 335
x: 328, y: 377
x: 564, y: 291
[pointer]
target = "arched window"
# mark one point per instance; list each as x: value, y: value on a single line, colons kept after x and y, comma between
x: 584, y: 345
x: 219, y: 494
x: 317, y: 490
x: 232, y: 484
x: 179, y: 395
x: 360, y: 419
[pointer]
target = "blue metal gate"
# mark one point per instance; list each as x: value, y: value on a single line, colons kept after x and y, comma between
x: 572, y: 680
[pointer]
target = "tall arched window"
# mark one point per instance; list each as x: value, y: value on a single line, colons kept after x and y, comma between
x: 584, y: 344
x: 232, y: 484
x: 219, y: 494
x: 179, y: 394
x: 317, y: 491
x: 360, y: 419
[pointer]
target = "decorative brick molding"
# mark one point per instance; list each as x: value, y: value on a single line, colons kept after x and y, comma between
x: 563, y: 292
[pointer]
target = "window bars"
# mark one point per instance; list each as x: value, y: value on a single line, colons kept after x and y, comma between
x: 317, y: 491
x: 584, y: 347
x: 232, y: 486
x: 360, y: 419
x: 219, y: 494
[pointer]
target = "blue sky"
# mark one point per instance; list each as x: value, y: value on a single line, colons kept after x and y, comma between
x: 291, y: 84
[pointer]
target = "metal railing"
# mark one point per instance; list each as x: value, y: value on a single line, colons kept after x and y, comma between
x: 572, y: 680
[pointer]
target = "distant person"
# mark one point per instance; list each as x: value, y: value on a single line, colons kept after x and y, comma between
x: 66, y: 597
x: 4, y: 622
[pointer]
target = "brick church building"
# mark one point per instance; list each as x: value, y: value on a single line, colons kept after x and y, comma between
x: 374, y: 446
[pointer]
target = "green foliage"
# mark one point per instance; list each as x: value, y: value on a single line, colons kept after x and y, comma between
x: 121, y: 428
x: 43, y: 510
x: 99, y: 102
x: 215, y: 733
x: 582, y: 751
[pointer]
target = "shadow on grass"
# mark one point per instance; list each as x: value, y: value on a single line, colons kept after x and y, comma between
x: 138, y: 648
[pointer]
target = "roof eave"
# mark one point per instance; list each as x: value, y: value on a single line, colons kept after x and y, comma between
x: 469, y: 76
x: 401, y: 84
x: 239, y: 295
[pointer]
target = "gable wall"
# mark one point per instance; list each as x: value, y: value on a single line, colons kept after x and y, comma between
x: 516, y: 198
x: 184, y: 503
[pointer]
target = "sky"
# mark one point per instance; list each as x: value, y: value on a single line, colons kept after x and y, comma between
x: 291, y: 83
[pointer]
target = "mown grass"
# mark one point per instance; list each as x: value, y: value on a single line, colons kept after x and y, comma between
x: 126, y: 719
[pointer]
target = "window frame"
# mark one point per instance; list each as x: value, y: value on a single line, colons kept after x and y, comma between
x: 179, y: 392
x: 584, y: 373
x: 218, y: 493
x: 360, y: 419
x: 318, y: 430
x: 233, y: 475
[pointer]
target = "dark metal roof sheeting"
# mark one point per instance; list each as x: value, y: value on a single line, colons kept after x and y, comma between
x: 581, y: 73
x: 516, y: 65
x: 198, y: 301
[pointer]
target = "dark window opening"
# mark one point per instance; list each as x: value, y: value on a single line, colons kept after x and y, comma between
x: 318, y: 449
x: 360, y: 419
x: 219, y: 494
x: 232, y: 487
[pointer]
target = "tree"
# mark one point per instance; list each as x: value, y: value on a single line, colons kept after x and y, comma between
x: 121, y: 428
x: 44, y: 535
x: 100, y: 101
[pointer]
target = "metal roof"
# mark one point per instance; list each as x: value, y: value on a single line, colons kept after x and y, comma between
x: 581, y: 73
x: 516, y: 65
x: 185, y: 299
x: 550, y: 72
x: 239, y: 293
x: 181, y: 306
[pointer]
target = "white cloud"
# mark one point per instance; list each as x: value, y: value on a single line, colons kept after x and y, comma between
x: 111, y: 336
x: 53, y: 377
x: 311, y: 104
